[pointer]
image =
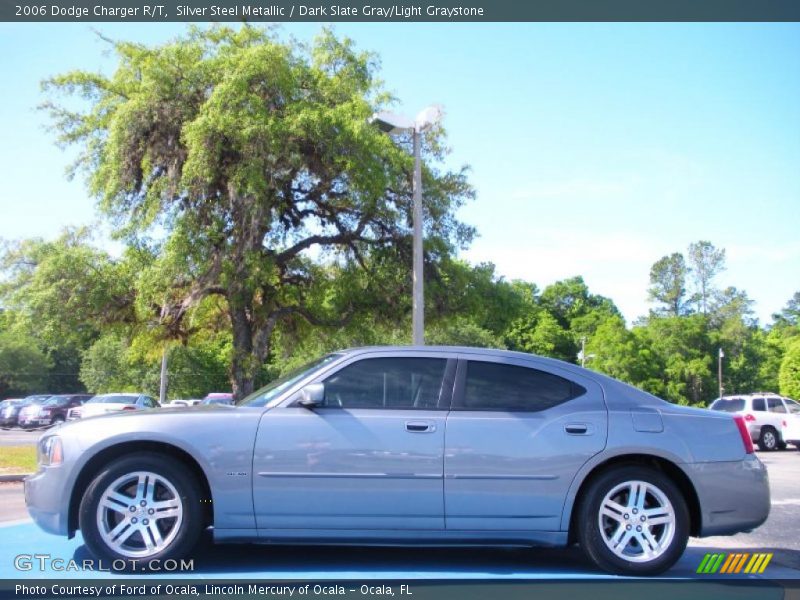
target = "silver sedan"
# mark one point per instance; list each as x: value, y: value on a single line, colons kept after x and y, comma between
x: 409, y: 445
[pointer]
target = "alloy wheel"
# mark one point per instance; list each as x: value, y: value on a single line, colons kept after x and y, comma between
x: 139, y: 514
x: 637, y: 521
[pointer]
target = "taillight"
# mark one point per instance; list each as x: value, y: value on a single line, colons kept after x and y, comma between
x: 784, y: 424
x: 749, y: 417
x: 128, y: 408
x: 748, y: 443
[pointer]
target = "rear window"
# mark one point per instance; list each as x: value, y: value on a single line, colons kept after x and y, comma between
x: 503, y: 387
x: 729, y: 405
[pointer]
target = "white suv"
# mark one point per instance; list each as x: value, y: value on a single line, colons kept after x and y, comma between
x: 773, y: 421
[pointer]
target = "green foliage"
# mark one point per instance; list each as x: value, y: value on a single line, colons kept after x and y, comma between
x: 23, y: 366
x: 226, y: 154
x: 462, y: 332
x: 705, y: 262
x: 790, y: 372
x: 668, y: 284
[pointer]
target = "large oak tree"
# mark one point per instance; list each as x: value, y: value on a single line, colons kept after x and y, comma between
x: 242, y: 162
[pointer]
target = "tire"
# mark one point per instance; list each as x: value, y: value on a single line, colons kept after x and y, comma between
x: 597, y: 531
x: 768, y: 440
x: 170, y: 490
x: 57, y: 420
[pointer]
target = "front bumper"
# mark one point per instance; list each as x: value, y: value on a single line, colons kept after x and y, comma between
x: 44, y: 497
x: 733, y: 496
x: 8, y: 421
x: 34, y: 421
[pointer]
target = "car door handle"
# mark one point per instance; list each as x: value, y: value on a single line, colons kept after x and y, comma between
x: 576, y: 428
x: 420, y: 427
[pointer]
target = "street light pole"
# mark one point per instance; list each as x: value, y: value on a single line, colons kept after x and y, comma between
x: 393, y: 123
x: 418, y: 293
x: 720, y: 356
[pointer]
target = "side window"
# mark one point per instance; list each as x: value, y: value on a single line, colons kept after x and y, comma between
x: 791, y: 406
x: 775, y: 405
x: 759, y: 405
x: 500, y: 387
x: 393, y: 383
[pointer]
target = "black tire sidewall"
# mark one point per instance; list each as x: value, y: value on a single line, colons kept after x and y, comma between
x: 590, y: 537
x: 173, y: 470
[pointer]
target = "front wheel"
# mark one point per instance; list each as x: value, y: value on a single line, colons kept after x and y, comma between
x: 633, y: 521
x: 140, y: 508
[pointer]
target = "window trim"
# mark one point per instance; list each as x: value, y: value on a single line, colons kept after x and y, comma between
x: 445, y: 390
x: 459, y: 390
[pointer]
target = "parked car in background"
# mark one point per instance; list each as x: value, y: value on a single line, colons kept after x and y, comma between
x: 109, y: 403
x: 218, y: 398
x: 352, y: 449
x: 8, y: 413
x: 53, y: 410
x: 9, y: 417
x: 182, y: 402
x: 772, y: 420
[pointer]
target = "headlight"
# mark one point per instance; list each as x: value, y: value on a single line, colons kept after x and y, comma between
x: 50, y: 451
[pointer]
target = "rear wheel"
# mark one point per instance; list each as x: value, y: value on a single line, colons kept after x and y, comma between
x: 768, y: 440
x: 140, y: 508
x: 633, y: 521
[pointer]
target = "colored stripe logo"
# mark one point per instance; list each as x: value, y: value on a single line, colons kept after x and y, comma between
x: 736, y: 562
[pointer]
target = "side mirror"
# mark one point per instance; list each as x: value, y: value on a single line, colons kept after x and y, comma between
x: 312, y: 396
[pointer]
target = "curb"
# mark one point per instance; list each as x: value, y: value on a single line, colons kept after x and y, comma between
x: 17, y: 478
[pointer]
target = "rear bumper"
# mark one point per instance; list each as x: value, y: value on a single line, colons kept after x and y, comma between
x: 734, y: 496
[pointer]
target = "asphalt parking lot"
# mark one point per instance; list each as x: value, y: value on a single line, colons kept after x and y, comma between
x: 778, y: 535
x: 18, y: 437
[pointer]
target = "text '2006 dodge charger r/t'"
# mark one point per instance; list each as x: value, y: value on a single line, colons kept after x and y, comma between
x: 409, y: 445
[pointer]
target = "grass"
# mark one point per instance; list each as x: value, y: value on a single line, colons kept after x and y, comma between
x: 17, y: 459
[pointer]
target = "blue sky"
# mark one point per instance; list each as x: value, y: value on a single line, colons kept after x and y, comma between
x: 595, y: 148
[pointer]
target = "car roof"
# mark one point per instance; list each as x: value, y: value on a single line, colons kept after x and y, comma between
x: 494, y: 352
x: 752, y: 395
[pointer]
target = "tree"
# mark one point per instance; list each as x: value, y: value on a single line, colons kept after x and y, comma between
x: 23, y: 366
x: 683, y: 355
x: 668, y: 283
x: 790, y: 372
x: 229, y: 155
x: 705, y: 263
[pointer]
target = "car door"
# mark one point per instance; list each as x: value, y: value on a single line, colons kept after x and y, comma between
x: 369, y: 458
x: 792, y: 432
x: 517, y: 433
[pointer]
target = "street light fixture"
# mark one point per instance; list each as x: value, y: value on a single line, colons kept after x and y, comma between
x: 393, y: 123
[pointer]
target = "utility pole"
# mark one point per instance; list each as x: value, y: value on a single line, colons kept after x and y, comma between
x: 583, y: 351
x: 418, y: 296
x: 162, y: 391
x: 719, y: 370
x: 393, y: 123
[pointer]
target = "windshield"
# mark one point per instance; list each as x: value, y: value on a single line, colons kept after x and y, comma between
x: 113, y: 399
x: 56, y: 400
x: 34, y: 400
x: 272, y: 391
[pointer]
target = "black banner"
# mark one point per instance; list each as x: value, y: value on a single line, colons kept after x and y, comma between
x: 388, y: 11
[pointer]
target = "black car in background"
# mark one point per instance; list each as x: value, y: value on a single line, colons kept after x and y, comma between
x: 53, y: 410
x: 10, y: 414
